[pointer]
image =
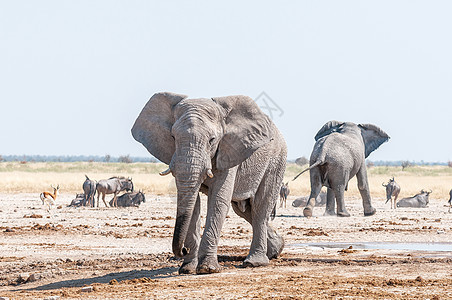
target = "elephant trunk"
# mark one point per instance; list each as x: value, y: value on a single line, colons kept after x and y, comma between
x: 190, y: 167
x: 187, y: 193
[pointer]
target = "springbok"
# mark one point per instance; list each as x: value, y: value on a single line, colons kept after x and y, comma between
x: 49, y: 198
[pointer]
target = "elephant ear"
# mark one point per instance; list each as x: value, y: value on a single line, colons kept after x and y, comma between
x: 153, y: 126
x: 328, y: 128
x: 373, y: 137
x: 246, y: 129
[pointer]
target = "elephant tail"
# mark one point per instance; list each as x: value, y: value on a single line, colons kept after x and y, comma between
x: 317, y: 163
x: 273, y: 214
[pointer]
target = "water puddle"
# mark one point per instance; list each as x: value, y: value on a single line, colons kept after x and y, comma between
x: 431, y: 247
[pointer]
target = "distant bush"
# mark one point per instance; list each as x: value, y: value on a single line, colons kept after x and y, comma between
x: 107, y: 158
x: 370, y: 164
x: 449, y: 163
x: 125, y: 159
x: 301, y: 161
x: 405, y: 164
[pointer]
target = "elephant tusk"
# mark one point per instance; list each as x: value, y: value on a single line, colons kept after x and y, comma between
x: 166, y: 172
x: 209, y: 173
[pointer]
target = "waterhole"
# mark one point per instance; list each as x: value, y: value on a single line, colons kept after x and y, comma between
x: 442, y: 247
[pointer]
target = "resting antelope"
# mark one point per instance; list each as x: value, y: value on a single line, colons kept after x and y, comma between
x: 49, y: 198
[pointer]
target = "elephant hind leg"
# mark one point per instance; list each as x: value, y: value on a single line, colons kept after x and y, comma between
x: 339, y: 194
x: 330, y: 209
x: 275, y: 242
x: 363, y: 187
x: 316, y: 186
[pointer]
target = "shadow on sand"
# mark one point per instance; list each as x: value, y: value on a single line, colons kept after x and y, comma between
x: 120, y: 276
x: 129, y: 275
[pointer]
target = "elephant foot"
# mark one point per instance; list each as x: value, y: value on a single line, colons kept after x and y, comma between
x: 343, y: 214
x: 256, y: 260
x: 188, y: 267
x: 371, y: 212
x: 209, y: 265
x: 275, y: 245
x: 329, y: 213
x: 307, y: 212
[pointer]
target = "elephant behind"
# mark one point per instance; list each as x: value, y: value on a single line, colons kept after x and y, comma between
x: 339, y: 154
x: 228, y: 149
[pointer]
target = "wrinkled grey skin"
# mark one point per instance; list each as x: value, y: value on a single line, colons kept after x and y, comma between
x: 339, y: 154
x: 228, y: 149
x: 89, y: 188
x: 302, y: 201
x: 392, y: 190
x: 418, y: 200
x: 450, y: 200
x: 130, y: 199
x: 283, y: 194
x: 113, y: 185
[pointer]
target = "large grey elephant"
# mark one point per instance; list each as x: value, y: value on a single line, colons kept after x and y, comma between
x: 339, y: 154
x: 228, y: 149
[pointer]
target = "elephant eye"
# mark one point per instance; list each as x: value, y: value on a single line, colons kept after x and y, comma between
x: 211, y: 141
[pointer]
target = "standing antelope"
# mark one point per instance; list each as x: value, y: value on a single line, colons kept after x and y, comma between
x: 89, y: 188
x: 392, y: 189
x: 49, y: 198
x: 284, y: 193
x: 450, y: 200
x: 113, y: 185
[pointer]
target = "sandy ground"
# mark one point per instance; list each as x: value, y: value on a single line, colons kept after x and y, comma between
x: 109, y: 253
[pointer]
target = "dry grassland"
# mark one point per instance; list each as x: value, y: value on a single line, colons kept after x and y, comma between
x: 17, y: 177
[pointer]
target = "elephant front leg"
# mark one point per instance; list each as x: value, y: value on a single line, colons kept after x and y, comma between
x: 219, y: 201
x: 330, y: 209
x: 363, y: 187
x: 192, y: 241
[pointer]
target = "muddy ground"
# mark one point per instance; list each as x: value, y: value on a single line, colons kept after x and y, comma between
x: 107, y: 253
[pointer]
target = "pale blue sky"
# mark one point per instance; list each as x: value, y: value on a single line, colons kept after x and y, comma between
x: 75, y: 74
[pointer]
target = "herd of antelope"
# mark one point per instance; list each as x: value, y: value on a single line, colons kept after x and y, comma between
x: 113, y: 185
x: 392, y: 192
